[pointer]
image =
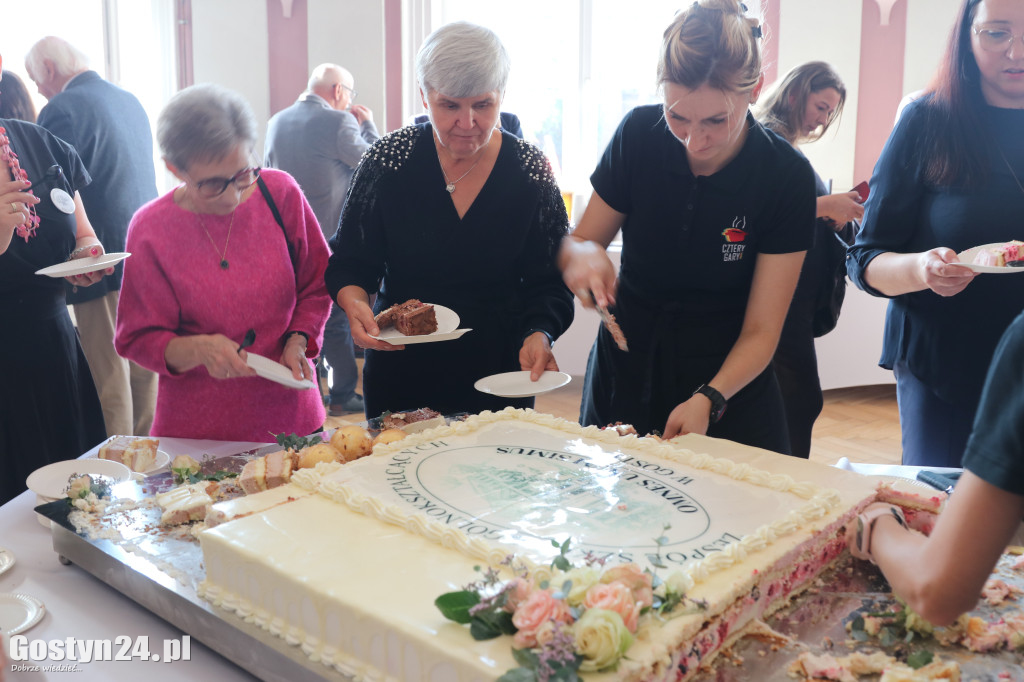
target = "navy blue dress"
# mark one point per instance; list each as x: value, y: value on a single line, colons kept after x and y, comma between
x: 49, y: 410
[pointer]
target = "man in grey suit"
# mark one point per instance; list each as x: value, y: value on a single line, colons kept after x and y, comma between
x: 110, y: 130
x: 319, y: 141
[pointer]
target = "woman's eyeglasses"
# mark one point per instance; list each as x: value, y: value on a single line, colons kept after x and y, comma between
x: 214, y: 187
x: 995, y: 39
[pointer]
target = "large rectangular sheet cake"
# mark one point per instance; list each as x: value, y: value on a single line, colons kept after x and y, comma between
x: 351, y: 572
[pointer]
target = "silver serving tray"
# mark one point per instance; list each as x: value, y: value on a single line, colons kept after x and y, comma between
x: 142, y: 579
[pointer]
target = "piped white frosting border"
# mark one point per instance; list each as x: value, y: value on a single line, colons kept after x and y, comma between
x: 819, y: 501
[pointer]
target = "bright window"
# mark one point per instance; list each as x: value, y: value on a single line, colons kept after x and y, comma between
x: 577, y: 69
x: 130, y: 43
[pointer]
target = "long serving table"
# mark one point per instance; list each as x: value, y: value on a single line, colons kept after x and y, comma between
x: 80, y: 606
x: 126, y: 601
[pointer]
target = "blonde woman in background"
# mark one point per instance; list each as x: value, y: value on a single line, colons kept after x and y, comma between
x: 802, y: 106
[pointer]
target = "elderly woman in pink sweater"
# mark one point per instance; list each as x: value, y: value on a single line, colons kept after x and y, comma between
x: 210, y: 260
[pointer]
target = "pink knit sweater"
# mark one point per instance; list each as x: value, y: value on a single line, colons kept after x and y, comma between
x: 174, y: 286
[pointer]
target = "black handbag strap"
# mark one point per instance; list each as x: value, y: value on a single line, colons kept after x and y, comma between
x: 277, y: 216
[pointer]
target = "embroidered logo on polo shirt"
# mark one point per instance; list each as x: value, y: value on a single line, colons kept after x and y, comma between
x: 733, y: 247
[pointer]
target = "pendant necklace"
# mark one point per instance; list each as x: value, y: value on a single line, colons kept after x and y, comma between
x: 450, y: 184
x: 223, y: 255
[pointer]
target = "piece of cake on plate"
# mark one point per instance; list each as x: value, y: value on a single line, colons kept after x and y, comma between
x: 412, y: 318
x: 1002, y: 255
x: 136, y: 453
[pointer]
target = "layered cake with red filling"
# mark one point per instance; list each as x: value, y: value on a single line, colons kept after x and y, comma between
x: 1002, y: 255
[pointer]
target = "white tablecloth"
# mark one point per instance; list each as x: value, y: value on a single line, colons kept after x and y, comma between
x: 80, y: 606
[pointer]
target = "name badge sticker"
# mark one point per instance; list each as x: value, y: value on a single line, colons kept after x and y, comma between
x: 62, y: 200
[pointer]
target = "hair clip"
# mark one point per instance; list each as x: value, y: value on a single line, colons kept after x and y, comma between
x: 756, y: 30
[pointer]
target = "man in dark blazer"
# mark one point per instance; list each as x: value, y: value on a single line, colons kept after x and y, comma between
x: 110, y: 130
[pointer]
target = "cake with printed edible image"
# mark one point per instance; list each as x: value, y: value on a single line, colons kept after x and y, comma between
x: 725, y: 543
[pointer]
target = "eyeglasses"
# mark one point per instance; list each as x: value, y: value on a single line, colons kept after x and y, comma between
x: 214, y: 187
x: 351, y: 91
x: 995, y: 39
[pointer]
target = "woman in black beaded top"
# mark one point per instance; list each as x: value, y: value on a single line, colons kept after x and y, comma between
x: 457, y: 213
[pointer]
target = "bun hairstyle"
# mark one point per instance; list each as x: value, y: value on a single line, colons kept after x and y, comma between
x: 712, y: 42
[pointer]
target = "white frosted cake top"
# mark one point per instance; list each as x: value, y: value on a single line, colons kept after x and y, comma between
x: 511, y: 482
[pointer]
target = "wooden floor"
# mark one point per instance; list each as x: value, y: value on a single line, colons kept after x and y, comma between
x: 861, y: 424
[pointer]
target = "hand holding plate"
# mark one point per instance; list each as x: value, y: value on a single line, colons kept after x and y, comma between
x: 940, y: 270
x: 536, y: 357
x: 88, y: 278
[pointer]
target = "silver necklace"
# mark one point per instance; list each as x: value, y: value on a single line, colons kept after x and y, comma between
x: 1008, y: 167
x: 450, y: 184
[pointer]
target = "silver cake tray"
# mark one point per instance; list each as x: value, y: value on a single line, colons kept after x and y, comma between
x: 163, y: 579
x: 147, y: 579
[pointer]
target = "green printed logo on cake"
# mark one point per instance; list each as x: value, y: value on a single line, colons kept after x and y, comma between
x: 613, y: 504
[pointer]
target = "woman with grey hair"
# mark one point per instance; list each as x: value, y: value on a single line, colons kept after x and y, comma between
x: 454, y: 212
x: 213, y: 259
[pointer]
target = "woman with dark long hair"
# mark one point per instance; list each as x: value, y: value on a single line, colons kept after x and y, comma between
x: 804, y: 104
x: 15, y: 102
x: 949, y: 178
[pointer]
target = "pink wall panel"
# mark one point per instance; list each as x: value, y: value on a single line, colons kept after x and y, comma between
x: 770, y: 31
x: 880, y: 87
x: 288, y: 42
x: 392, y: 64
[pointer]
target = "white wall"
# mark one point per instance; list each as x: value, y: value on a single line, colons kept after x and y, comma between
x: 350, y: 33
x: 229, y: 43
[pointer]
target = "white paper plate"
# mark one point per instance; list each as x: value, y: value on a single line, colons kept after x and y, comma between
x: 447, y: 323
x: 967, y: 260
x: 425, y: 338
x: 80, y: 266
x: 51, y: 481
x: 6, y: 560
x: 276, y: 372
x: 518, y: 384
x: 19, y: 612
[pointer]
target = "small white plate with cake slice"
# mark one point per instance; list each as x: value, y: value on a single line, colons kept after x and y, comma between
x: 276, y: 372
x: 968, y: 257
x: 447, y: 329
x: 518, y: 384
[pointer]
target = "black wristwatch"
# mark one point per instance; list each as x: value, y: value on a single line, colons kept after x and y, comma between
x: 718, y: 401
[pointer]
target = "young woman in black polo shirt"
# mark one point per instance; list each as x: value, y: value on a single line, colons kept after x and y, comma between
x: 716, y: 213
